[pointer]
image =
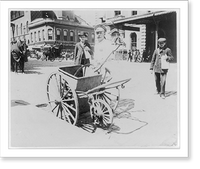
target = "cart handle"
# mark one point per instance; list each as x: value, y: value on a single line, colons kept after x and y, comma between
x: 106, y: 86
x: 96, y: 70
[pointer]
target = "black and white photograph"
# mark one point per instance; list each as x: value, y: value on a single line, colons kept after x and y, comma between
x: 94, y: 78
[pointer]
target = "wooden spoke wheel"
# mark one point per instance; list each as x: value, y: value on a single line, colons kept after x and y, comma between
x: 62, y: 98
x: 110, y: 96
x: 101, y: 113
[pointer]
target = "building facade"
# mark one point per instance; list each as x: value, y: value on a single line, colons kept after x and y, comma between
x: 135, y: 36
x: 157, y: 24
x: 39, y: 27
x: 20, y: 21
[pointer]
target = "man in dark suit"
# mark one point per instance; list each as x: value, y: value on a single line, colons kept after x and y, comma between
x: 80, y: 50
x: 17, y: 53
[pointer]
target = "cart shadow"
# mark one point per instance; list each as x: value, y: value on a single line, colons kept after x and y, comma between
x: 42, y: 105
x: 123, y: 112
x: 124, y: 122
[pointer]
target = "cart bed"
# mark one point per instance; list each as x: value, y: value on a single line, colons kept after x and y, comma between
x: 78, y: 82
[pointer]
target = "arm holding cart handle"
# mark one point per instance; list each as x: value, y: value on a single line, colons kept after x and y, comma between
x: 119, y: 43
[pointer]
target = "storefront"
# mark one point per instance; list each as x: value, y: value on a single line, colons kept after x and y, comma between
x: 158, y: 24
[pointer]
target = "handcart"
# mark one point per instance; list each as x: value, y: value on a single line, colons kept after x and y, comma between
x: 70, y: 93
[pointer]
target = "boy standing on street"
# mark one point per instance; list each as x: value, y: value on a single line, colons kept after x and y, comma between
x: 160, y: 65
x: 80, y: 50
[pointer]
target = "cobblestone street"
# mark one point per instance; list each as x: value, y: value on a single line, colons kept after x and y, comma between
x: 141, y: 119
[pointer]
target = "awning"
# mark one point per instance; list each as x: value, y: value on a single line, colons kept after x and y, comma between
x: 143, y: 19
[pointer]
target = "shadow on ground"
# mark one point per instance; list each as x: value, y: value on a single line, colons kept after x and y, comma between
x: 19, y: 103
x: 170, y: 93
x: 32, y: 72
x: 124, y: 121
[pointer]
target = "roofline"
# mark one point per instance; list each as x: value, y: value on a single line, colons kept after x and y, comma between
x: 142, y: 16
x: 60, y: 22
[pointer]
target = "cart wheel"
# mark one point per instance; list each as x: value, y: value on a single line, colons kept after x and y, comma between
x: 111, y: 96
x: 62, y: 98
x: 101, y: 113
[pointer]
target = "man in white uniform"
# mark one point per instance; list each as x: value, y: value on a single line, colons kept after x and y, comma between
x: 102, y: 50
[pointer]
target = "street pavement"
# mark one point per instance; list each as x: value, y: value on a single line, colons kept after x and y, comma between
x: 142, y: 119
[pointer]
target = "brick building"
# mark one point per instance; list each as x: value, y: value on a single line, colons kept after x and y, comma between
x: 39, y: 27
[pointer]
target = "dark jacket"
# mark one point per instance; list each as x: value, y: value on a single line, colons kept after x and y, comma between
x: 17, y: 48
x: 79, y: 54
x: 156, y: 58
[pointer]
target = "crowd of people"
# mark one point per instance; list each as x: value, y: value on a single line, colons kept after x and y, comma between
x: 103, y: 50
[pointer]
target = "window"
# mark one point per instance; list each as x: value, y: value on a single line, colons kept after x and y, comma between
x: 16, y: 14
x: 31, y: 37
x: 35, y: 40
x: 50, y: 34
x: 21, y: 13
x: 27, y: 27
x: 58, y: 34
x: 133, y: 39
x: 43, y: 37
x: 24, y: 30
x: 71, y: 36
x: 21, y: 28
x: 65, y: 35
x: 17, y: 30
x: 76, y: 20
x: 134, y: 12
x: 117, y: 13
x: 39, y: 37
x: 12, y: 15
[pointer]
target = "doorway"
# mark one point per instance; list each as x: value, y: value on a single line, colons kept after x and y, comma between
x: 133, y: 40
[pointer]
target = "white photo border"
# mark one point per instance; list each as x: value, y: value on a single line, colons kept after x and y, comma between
x: 182, y: 32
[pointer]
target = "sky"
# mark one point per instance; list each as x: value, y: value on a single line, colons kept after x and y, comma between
x: 88, y: 16
x: 92, y: 16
